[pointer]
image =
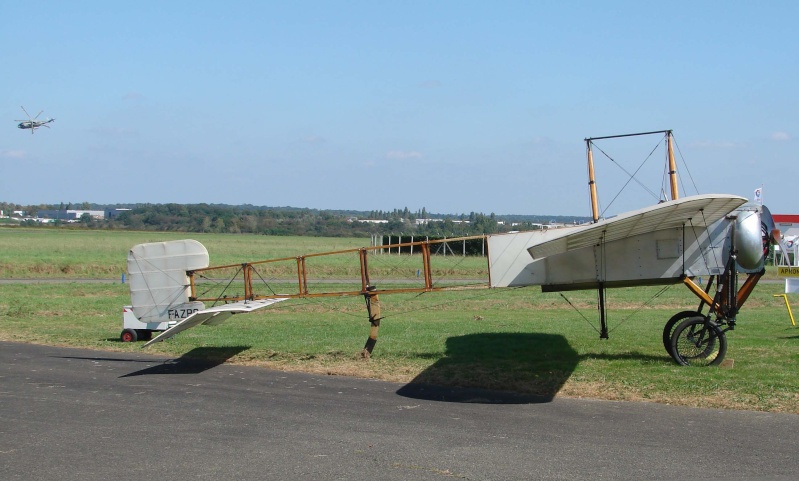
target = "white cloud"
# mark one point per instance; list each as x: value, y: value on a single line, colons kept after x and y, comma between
x: 780, y: 136
x: 13, y: 154
x: 401, y: 154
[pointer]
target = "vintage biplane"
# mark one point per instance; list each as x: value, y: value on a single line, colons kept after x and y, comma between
x: 715, y: 236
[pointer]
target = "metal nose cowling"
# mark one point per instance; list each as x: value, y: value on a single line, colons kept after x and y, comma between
x: 749, y: 240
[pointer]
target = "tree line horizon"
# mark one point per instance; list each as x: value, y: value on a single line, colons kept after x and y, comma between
x: 249, y: 219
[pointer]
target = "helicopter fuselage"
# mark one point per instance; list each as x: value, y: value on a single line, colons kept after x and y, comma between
x: 27, y: 124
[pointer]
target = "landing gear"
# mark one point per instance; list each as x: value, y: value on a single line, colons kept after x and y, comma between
x: 668, y: 329
x: 698, y: 341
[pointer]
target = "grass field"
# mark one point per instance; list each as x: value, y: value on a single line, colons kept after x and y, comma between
x: 518, y: 340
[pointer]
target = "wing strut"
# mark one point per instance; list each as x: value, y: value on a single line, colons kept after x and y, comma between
x: 601, y: 277
x: 603, y: 322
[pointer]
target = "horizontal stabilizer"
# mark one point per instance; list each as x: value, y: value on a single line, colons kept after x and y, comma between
x: 213, y: 316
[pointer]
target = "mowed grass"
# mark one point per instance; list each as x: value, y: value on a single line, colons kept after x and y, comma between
x: 78, y: 253
x: 517, y: 340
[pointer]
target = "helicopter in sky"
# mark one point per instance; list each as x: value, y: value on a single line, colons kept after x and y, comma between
x: 32, y: 123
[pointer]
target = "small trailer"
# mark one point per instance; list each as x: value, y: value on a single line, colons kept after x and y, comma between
x: 135, y: 330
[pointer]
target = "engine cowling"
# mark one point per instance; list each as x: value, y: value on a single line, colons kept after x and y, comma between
x: 753, y: 235
x: 748, y: 239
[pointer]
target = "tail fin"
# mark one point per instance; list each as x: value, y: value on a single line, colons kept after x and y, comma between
x: 159, y: 287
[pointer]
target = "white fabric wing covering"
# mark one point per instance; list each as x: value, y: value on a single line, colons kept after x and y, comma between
x: 213, y: 316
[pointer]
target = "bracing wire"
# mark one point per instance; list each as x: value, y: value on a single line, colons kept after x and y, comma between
x: 264, y: 281
x: 685, y: 165
x: 617, y: 325
x: 477, y: 296
x: 636, y: 311
x: 631, y: 177
x: 176, y: 295
x: 219, y: 298
x: 213, y: 284
x: 579, y: 312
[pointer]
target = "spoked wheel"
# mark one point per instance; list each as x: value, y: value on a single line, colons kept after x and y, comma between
x: 668, y: 329
x: 698, y: 342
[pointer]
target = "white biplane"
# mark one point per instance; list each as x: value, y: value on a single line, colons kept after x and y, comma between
x: 715, y: 236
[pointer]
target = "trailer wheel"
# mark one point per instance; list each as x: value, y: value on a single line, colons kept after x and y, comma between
x: 128, y: 335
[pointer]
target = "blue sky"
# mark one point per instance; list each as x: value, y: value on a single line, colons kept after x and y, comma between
x: 455, y: 106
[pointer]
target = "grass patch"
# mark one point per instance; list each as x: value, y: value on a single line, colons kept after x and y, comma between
x: 518, y: 340
x: 79, y: 253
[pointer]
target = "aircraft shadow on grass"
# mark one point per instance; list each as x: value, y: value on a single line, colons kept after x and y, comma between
x: 510, y: 368
x: 197, y: 360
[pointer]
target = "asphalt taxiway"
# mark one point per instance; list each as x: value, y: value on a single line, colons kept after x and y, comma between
x: 76, y: 414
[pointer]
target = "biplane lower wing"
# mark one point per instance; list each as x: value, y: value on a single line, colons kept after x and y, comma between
x: 213, y: 316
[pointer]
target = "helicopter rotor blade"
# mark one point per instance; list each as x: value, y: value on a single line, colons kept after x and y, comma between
x: 37, y: 115
x: 26, y: 112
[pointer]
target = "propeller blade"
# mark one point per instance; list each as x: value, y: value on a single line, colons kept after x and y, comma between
x: 26, y: 112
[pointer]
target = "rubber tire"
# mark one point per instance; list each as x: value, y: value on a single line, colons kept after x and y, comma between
x: 708, y: 333
x: 128, y: 335
x: 668, y: 329
x: 144, y: 334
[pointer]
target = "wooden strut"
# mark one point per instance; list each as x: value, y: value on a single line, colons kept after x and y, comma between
x: 373, y: 308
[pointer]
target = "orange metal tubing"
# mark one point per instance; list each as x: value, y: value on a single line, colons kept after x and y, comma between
x: 748, y: 287
x: 698, y: 291
x: 672, y: 168
x: 592, y: 184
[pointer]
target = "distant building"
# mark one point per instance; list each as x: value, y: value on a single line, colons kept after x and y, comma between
x: 372, y: 221
x: 114, y: 213
x: 788, y: 224
x: 64, y: 214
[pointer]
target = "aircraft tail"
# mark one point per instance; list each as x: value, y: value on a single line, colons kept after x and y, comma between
x: 159, y: 287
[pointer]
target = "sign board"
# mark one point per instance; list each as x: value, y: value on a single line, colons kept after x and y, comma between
x: 784, y: 271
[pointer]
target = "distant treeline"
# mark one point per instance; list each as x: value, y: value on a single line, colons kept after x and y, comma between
x: 222, y: 218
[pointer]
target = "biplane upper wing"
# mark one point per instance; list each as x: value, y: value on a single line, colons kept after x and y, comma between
x: 697, y: 210
x: 214, y: 315
x: 657, y: 244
